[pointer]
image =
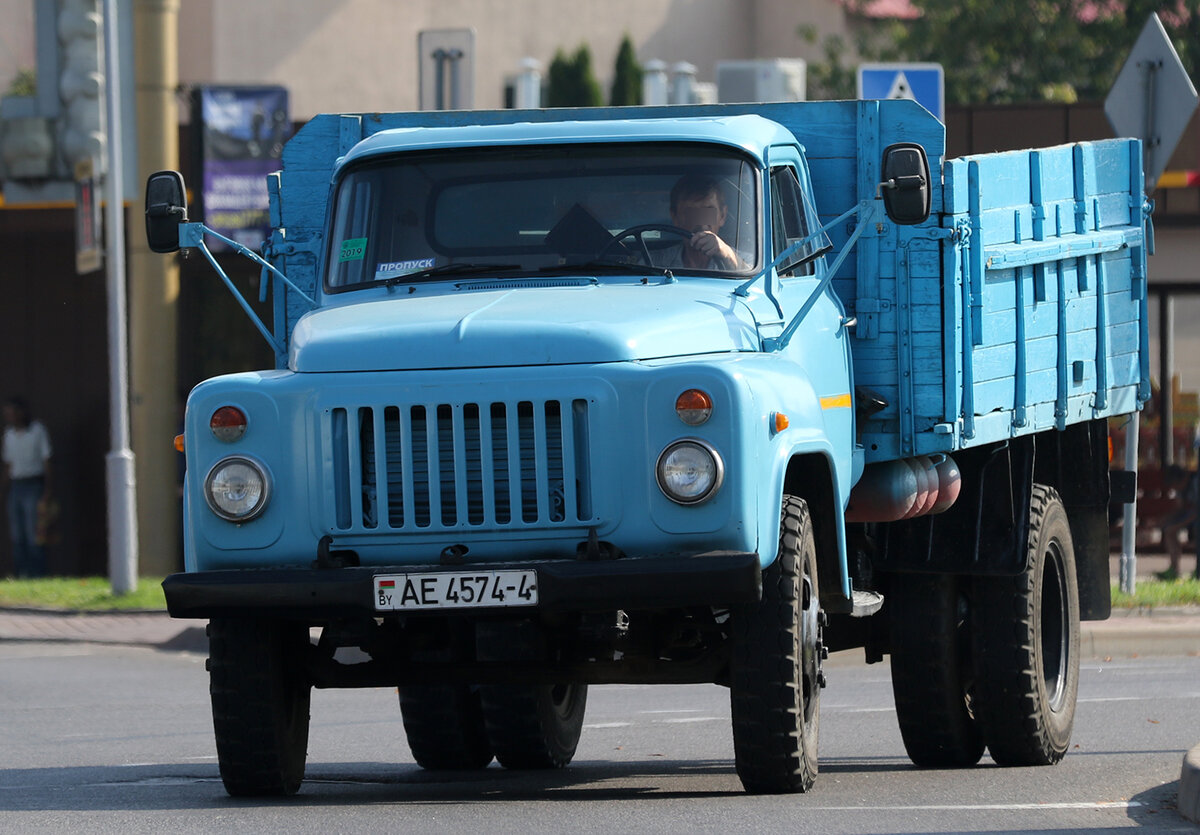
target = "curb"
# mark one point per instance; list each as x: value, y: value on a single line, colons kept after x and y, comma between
x: 1189, y: 786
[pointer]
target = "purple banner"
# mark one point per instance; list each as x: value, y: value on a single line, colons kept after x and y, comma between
x: 243, y: 130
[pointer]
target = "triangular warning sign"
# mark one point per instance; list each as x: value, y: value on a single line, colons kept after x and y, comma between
x: 901, y: 89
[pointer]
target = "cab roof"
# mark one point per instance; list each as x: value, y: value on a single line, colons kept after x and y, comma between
x: 748, y: 133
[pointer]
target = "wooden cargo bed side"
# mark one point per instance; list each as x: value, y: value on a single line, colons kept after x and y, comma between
x: 1046, y: 290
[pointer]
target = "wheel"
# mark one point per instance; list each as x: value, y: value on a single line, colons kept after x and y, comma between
x: 534, y: 726
x: 636, y: 233
x: 260, y: 704
x: 932, y: 677
x: 775, y: 675
x: 444, y: 726
x: 1027, y: 645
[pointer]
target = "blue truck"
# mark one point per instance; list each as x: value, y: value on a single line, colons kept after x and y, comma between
x: 693, y: 394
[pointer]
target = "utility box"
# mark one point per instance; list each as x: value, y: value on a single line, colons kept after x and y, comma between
x: 775, y: 79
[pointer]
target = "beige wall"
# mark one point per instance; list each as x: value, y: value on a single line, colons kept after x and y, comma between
x: 16, y: 39
x: 361, y: 55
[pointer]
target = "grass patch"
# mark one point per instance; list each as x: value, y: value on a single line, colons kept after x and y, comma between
x: 1152, y: 593
x: 94, y: 593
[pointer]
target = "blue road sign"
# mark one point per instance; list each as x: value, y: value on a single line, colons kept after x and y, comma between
x: 923, y: 83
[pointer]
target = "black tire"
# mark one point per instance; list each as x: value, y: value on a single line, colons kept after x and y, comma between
x: 932, y: 675
x: 444, y: 726
x: 1027, y: 645
x: 534, y: 726
x: 260, y: 703
x: 775, y: 675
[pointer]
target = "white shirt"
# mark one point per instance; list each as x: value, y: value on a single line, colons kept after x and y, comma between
x: 27, y: 450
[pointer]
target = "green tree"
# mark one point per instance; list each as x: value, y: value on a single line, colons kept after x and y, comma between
x: 627, y: 76
x: 1003, y: 51
x: 571, y: 81
x: 24, y: 83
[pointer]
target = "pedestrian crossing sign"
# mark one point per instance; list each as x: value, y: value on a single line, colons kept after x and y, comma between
x: 923, y: 83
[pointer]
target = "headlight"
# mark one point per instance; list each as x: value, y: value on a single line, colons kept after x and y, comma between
x: 237, y: 489
x: 689, y: 471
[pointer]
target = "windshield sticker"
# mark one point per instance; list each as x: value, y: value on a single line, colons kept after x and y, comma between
x: 353, y: 249
x: 391, y: 269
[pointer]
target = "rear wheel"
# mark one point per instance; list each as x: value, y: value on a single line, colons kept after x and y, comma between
x: 776, y: 679
x: 444, y: 726
x: 1027, y: 645
x: 932, y: 677
x: 260, y: 704
x: 534, y: 726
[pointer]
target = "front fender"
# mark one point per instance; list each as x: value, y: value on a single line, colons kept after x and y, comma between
x: 819, y: 426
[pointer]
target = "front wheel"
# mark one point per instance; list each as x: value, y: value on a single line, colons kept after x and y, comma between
x: 776, y: 679
x: 260, y: 703
x: 1027, y: 645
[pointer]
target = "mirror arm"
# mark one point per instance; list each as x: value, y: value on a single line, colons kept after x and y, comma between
x: 192, y: 234
x: 863, y: 210
x: 743, y: 289
x: 194, y: 238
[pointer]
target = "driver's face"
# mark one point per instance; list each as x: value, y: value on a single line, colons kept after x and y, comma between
x: 705, y: 214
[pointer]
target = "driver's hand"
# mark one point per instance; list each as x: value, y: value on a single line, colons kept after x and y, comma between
x: 711, y: 245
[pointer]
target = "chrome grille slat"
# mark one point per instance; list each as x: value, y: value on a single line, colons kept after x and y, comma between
x: 486, y: 465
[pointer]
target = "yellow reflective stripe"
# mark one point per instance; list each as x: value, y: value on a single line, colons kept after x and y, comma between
x: 837, y: 401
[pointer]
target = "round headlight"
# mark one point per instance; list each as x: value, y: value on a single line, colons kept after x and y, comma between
x: 237, y: 489
x: 689, y: 471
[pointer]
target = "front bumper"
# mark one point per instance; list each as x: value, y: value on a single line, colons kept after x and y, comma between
x: 717, y: 578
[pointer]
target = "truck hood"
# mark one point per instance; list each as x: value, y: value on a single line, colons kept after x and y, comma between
x: 468, y: 327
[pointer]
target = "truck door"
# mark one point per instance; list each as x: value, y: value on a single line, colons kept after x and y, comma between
x: 824, y: 335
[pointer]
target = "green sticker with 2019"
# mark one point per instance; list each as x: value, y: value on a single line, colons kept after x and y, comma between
x: 353, y: 249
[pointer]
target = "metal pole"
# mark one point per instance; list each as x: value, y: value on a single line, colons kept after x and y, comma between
x: 439, y: 79
x: 1166, y: 376
x: 1129, y: 531
x: 119, y: 463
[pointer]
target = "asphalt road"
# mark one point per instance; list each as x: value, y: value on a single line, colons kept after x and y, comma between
x: 119, y: 739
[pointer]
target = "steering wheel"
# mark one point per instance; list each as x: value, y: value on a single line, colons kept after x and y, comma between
x: 637, y: 232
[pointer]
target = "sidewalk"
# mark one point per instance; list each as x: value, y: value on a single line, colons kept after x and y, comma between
x: 1128, y: 633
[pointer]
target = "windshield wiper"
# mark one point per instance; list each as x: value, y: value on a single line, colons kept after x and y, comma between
x: 605, y: 266
x: 457, y: 268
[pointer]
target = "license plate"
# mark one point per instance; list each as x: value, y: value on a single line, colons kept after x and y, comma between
x: 455, y: 590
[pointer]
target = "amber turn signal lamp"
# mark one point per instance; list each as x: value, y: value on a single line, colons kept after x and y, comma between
x: 694, y: 407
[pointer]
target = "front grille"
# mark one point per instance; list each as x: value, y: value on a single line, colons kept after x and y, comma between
x: 421, y: 467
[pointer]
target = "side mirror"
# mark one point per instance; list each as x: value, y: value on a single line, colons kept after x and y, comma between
x: 905, y: 187
x: 166, y: 208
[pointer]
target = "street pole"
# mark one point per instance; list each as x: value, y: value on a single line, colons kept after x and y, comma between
x: 119, y: 469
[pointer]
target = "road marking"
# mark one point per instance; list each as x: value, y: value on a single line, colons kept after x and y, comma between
x: 985, y: 807
x: 609, y: 725
x: 673, y: 710
x: 685, y: 719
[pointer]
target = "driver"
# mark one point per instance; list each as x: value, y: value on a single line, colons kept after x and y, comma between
x: 698, y: 205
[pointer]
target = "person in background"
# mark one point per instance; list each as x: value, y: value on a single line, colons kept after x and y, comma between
x: 27, y: 479
x: 1186, y: 486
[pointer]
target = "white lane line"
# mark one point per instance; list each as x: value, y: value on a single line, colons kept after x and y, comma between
x: 984, y: 807
x: 609, y: 725
x: 677, y: 710
x: 688, y: 719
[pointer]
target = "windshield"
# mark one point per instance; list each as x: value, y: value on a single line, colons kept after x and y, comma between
x: 512, y: 211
